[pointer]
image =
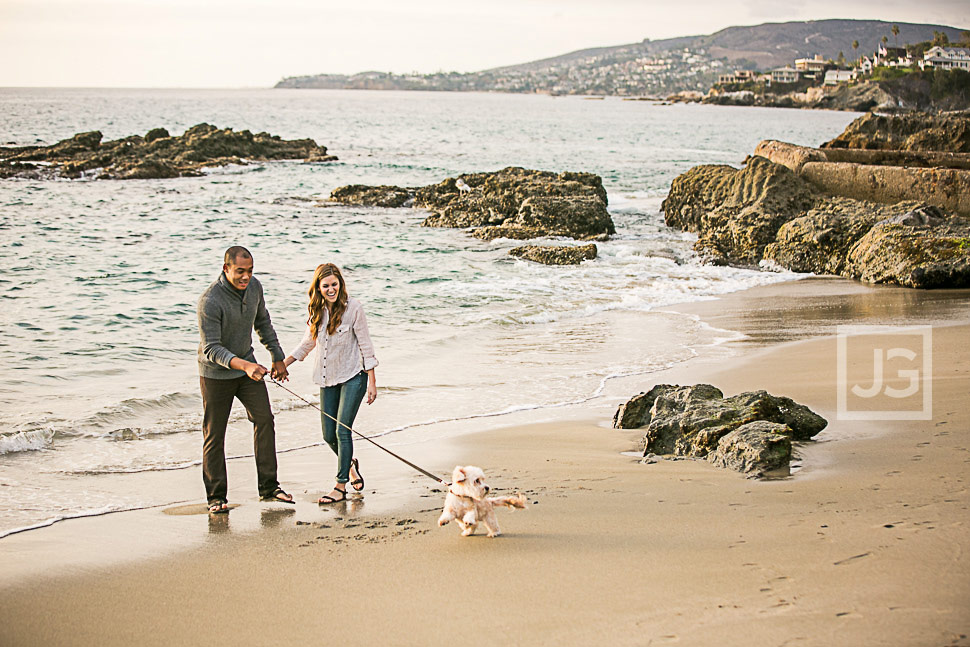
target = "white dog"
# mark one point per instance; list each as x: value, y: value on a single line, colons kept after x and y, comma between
x: 467, y: 504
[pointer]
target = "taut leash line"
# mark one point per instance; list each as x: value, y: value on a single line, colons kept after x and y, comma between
x: 400, y: 458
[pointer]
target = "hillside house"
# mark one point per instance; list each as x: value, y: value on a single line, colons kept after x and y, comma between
x: 737, y: 76
x: 784, y: 75
x: 810, y: 65
x: 834, y: 77
x: 946, y: 58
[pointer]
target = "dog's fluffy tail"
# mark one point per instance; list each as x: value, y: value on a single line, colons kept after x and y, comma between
x: 517, y: 501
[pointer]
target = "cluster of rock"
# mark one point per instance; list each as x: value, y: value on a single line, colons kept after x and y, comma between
x: 896, y: 216
x: 515, y: 203
x: 751, y: 432
x: 156, y: 155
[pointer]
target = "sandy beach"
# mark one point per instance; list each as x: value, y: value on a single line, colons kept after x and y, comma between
x: 865, y: 544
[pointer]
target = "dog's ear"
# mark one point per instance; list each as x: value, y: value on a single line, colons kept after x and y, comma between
x: 459, y: 475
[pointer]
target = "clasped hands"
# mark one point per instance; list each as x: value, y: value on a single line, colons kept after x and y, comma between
x: 257, y: 371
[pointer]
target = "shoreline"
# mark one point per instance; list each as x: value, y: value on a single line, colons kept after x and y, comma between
x: 688, y: 538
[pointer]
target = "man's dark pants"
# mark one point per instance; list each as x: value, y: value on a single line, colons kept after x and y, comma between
x: 217, y: 397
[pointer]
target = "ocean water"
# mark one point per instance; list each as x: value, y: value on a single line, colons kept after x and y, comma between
x: 99, y: 279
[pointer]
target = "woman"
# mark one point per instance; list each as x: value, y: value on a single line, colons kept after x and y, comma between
x: 344, y: 369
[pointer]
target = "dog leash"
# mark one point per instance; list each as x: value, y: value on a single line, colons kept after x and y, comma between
x: 400, y: 458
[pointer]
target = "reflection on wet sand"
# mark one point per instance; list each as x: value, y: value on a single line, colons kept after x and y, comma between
x: 218, y: 524
x: 274, y: 517
x: 825, y: 303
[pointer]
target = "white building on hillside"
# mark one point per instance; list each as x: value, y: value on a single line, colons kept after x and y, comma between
x: 738, y: 76
x: 784, y: 75
x: 811, y: 65
x: 946, y: 58
x: 834, y: 77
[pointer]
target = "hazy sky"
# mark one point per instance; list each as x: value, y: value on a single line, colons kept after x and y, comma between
x: 255, y: 43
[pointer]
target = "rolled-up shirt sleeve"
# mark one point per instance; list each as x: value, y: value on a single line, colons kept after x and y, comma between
x: 363, y: 340
x: 210, y: 325
x: 305, y: 346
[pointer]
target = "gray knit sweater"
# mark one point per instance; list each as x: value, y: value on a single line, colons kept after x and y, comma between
x: 226, y: 321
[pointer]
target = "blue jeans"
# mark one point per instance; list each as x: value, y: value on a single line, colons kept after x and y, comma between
x: 342, y: 402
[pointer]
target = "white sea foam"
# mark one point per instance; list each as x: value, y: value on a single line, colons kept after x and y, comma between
x: 94, y: 512
x: 26, y: 441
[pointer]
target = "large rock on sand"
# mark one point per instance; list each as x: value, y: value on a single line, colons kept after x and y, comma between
x: 754, y: 448
x: 156, y: 155
x: 923, y: 248
x: 698, y: 421
x: 511, y: 203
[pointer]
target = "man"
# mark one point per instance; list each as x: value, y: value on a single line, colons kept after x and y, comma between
x: 228, y: 311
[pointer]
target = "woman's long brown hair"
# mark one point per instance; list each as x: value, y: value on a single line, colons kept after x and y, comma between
x: 318, y: 305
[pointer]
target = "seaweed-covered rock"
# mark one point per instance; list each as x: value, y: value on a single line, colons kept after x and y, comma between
x: 555, y: 255
x: 692, y: 421
x: 581, y: 217
x: 512, y: 203
x: 156, y: 155
x: 372, y: 196
x: 914, y: 131
x: 820, y: 240
x: 754, y: 448
x: 924, y: 248
x: 507, y: 231
x: 156, y: 133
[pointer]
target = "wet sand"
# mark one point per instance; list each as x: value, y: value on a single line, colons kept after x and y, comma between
x: 865, y: 544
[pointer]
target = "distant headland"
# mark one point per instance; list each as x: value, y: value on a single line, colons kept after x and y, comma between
x: 661, y: 68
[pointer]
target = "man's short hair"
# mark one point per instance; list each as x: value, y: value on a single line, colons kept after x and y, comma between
x: 235, y: 252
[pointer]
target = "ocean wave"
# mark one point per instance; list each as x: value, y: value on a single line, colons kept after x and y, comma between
x: 26, y: 441
x: 149, y: 467
x: 125, y: 409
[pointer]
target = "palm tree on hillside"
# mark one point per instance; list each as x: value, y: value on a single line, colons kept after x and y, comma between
x: 895, y: 31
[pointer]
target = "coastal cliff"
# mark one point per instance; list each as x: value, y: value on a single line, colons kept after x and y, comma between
x: 930, y: 91
x: 900, y: 216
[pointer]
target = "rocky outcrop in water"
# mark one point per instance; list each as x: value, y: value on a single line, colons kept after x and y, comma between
x: 750, y: 432
x: 736, y: 212
x: 513, y: 203
x: 156, y: 155
x: 868, y: 215
x: 907, y: 132
x: 373, y: 196
x: 555, y: 255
